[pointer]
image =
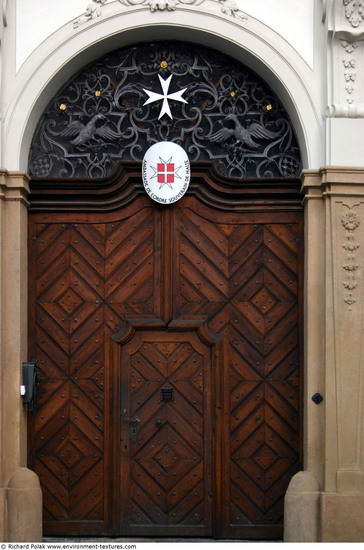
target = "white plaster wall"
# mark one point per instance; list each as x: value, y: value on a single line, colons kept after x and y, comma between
x: 291, y: 19
x: 37, y: 20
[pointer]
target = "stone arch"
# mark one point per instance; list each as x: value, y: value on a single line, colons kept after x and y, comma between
x: 66, y: 52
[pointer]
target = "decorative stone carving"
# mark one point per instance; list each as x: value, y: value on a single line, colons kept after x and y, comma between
x: 345, y: 47
x: 349, y: 63
x: 92, y: 10
x: 346, y: 86
x: 349, y: 47
x: 155, y: 5
x: 228, y: 7
x: 354, y: 12
x: 350, y: 221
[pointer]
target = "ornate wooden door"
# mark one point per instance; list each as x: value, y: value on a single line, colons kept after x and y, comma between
x: 168, y: 340
x: 243, y: 271
x: 165, y: 472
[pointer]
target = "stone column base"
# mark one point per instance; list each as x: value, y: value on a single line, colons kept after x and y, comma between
x: 342, y: 517
x: 24, y: 507
x: 3, y: 521
x: 301, y: 509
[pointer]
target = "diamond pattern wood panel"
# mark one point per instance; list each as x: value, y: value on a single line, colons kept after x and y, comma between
x: 170, y: 462
x: 217, y: 458
x: 69, y: 336
x: 245, y: 276
x: 86, y: 277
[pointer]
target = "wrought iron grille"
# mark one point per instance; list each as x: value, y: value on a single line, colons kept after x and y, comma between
x: 167, y: 394
x: 218, y: 110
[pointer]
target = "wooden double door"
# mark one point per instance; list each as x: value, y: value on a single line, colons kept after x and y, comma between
x: 168, y: 341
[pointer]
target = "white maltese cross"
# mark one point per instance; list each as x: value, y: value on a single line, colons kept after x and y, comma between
x: 153, y: 96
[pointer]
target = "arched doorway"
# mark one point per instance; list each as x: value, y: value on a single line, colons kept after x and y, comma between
x: 168, y: 337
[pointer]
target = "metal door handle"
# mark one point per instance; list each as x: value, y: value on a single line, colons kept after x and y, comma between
x: 133, y: 420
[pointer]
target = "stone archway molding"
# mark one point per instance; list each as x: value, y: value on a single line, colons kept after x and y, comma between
x: 251, y: 42
x: 93, y: 10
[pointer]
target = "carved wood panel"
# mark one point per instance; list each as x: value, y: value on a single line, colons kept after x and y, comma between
x: 234, y: 417
x: 243, y: 271
x: 84, y: 277
x: 166, y: 470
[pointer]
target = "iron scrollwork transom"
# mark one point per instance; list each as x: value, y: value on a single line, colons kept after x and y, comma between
x: 102, y: 117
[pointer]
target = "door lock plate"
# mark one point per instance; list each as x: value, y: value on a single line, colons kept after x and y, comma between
x: 134, y: 429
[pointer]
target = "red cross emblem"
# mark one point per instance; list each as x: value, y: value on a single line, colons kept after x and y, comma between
x: 165, y: 173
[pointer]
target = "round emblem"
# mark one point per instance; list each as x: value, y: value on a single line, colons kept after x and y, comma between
x: 166, y: 172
